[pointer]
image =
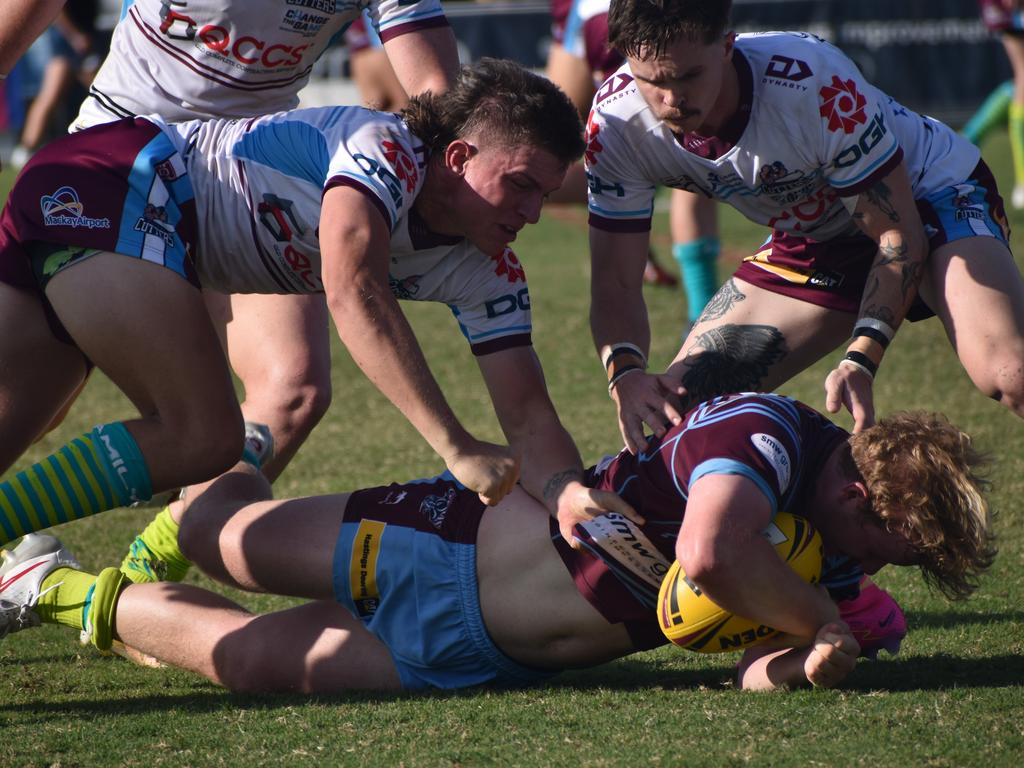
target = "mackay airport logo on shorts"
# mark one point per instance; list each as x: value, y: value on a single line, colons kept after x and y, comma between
x: 362, y: 576
x: 64, y: 209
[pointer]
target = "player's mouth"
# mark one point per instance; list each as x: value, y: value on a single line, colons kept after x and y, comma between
x: 510, y: 232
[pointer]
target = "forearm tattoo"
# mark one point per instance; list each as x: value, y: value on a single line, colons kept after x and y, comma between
x: 723, y: 300
x: 731, y: 358
x: 558, y: 481
x: 881, y: 197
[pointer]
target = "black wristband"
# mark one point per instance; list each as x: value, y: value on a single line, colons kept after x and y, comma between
x: 873, y: 334
x: 862, y: 360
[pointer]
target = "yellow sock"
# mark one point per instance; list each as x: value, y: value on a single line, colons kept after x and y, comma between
x: 64, y: 596
x: 1017, y: 140
x: 154, y: 555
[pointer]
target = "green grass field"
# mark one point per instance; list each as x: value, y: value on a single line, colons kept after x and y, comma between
x: 954, y: 696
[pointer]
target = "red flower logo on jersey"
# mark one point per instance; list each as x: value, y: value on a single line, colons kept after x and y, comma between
x: 405, y: 167
x: 593, y: 145
x: 842, y: 105
x: 506, y: 263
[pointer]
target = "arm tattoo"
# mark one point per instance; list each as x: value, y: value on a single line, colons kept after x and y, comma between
x: 732, y: 358
x: 721, y: 302
x: 558, y: 481
x: 881, y: 197
x: 890, y: 253
x: 879, y: 312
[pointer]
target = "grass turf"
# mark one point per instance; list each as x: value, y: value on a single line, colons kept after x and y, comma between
x: 953, y: 697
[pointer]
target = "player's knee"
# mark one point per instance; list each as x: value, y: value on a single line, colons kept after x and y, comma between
x: 248, y: 663
x: 309, y: 402
x: 298, y: 399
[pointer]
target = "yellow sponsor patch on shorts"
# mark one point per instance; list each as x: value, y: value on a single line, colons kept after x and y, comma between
x: 363, y: 566
x: 791, y: 274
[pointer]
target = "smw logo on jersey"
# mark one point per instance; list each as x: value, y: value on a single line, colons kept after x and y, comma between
x: 64, y: 209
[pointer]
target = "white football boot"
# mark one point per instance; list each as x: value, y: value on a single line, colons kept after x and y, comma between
x: 21, y: 579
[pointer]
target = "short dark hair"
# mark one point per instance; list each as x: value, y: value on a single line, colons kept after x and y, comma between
x: 502, y: 102
x: 645, y: 28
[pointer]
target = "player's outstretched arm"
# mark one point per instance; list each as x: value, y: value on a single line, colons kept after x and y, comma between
x: 886, y: 213
x: 425, y: 60
x: 622, y: 335
x: 355, y: 245
x: 21, y: 22
x: 824, y: 664
x: 552, y: 471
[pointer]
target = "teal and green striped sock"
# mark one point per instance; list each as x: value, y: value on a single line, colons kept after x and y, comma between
x: 91, y: 474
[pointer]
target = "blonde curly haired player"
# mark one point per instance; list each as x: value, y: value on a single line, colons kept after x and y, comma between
x: 419, y: 585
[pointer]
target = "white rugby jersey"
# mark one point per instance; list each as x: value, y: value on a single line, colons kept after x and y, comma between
x: 186, y: 59
x: 810, y: 130
x: 258, y: 184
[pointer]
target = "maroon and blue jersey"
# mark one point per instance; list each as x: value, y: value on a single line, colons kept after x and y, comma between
x: 776, y: 442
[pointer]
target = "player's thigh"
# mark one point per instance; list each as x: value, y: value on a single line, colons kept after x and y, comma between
x: 279, y: 343
x: 147, y: 328
x: 974, y: 286
x: 38, y: 372
x: 749, y: 338
x: 318, y: 647
x: 284, y: 547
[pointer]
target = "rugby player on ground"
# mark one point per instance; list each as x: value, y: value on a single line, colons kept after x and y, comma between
x: 420, y: 585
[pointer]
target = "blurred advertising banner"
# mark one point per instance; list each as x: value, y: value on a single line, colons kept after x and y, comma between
x: 934, y: 56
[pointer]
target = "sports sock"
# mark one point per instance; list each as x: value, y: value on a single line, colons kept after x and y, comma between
x: 100, y: 608
x: 992, y: 112
x: 63, y: 597
x: 154, y: 554
x: 697, y: 261
x: 1017, y: 141
x: 91, y: 474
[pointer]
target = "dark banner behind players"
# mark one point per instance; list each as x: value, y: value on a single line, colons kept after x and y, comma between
x: 934, y: 56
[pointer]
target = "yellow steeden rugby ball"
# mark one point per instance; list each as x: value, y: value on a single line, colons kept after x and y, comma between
x: 690, y: 620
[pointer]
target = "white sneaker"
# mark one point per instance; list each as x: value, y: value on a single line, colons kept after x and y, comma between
x: 1017, y: 197
x: 21, y: 579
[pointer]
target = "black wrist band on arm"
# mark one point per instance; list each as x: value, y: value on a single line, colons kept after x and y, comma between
x: 862, y: 361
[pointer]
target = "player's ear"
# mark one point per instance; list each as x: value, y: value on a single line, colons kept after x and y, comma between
x: 730, y: 43
x: 854, y: 490
x: 457, y: 154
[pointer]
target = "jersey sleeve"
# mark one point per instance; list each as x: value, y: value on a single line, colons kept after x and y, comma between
x: 380, y: 160
x: 750, y: 435
x: 858, y: 146
x: 618, y: 197
x: 393, y: 18
x: 494, y: 313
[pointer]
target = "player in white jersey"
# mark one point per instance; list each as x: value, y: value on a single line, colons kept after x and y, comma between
x: 877, y: 213
x: 189, y: 59
x: 343, y: 201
